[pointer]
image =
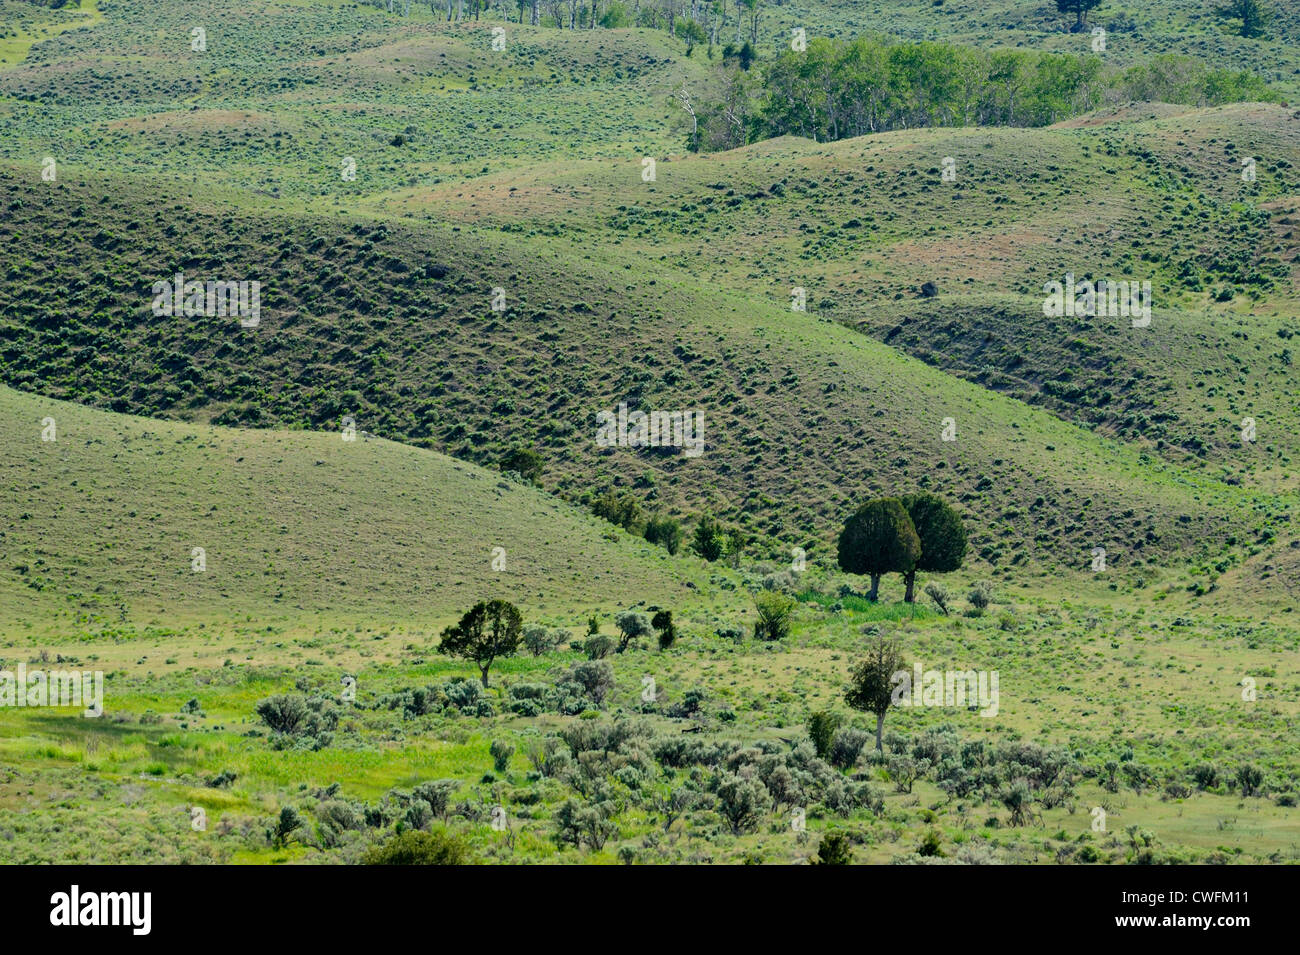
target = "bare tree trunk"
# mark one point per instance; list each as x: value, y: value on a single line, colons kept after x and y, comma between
x: 880, y: 729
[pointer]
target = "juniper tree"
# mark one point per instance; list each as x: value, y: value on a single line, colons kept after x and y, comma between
x: 871, y: 686
x: 941, y: 534
x: 489, y: 630
x: 879, y: 539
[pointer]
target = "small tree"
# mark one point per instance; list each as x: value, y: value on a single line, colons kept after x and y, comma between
x: 285, y: 826
x: 834, y: 850
x: 500, y: 753
x: 621, y: 509
x: 871, y: 685
x: 1254, y: 18
x: 942, y: 537
x: 774, y: 612
x: 1079, y: 8
x: 526, y: 462
x: 663, y: 622
x: 821, y: 730
x: 665, y: 532
x: 981, y: 595
x: 939, y: 595
x: 596, y: 677
x: 1250, y: 779
x: 879, y: 539
x: 491, y: 629
x: 633, y: 625
x: 539, y: 640
x: 736, y: 542
x: 709, y: 541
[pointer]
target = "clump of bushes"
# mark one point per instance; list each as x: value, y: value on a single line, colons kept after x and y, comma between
x: 457, y: 697
x: 299, y: 722
x: 414, y: 847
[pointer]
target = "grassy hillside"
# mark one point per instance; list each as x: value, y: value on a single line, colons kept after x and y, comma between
x: 803, y: 417
x: 298, y: 529
x: 284, y: 92
x: 1152, y: 194
x: 1162, y: 692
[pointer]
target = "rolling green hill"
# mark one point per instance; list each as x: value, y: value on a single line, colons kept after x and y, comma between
x: 297, y: 528
x: 1149, y: 193
x: 392, y: 323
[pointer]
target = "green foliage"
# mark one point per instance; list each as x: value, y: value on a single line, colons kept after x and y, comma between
x: 622, y: 509
x: 1250, y: 778
x: 846, y: 747
x: 526, y: 462
x: 283, y: 713
x: 1251, y: 15
x: 413, y: 847
x: 490, y: 629
x: 286, y: 824
x: 709, y: 540
x: 501, y: 753
x: 596, y: 677
x: 539, y: 640
x: 741, y: 802
x: 931, y: 845
x: 838, y: 89
x: 879, y: 539
x: 871, y: 686
x: 1079, y: 8
x: 939, y: 594
x: 597, y: 646
x: 822, y: 725
x: 941, y: 534
x: 940, y: 531
x: 775, y: 612
x: 632, y: 626
x: 663, y: 622
x: 834, y: 849
x: 665, y: 532
x: 980, y: 596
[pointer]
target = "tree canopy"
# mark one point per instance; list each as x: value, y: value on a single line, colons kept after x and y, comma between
x: 879, y: 539
x: 489, y: 630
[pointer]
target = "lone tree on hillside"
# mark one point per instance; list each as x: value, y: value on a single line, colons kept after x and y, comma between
x: 710, y: 540
x: 879, y: 539
x: 871, y: 686
x: 942, y: 537
x: 491, y: 629
x: 1079, y: 8
x: 525, y: 462
x: 1253, y: 17
x: 632, y: 625
x: 774, y: 613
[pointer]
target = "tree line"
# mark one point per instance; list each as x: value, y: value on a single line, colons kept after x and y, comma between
x: 837, y: 89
